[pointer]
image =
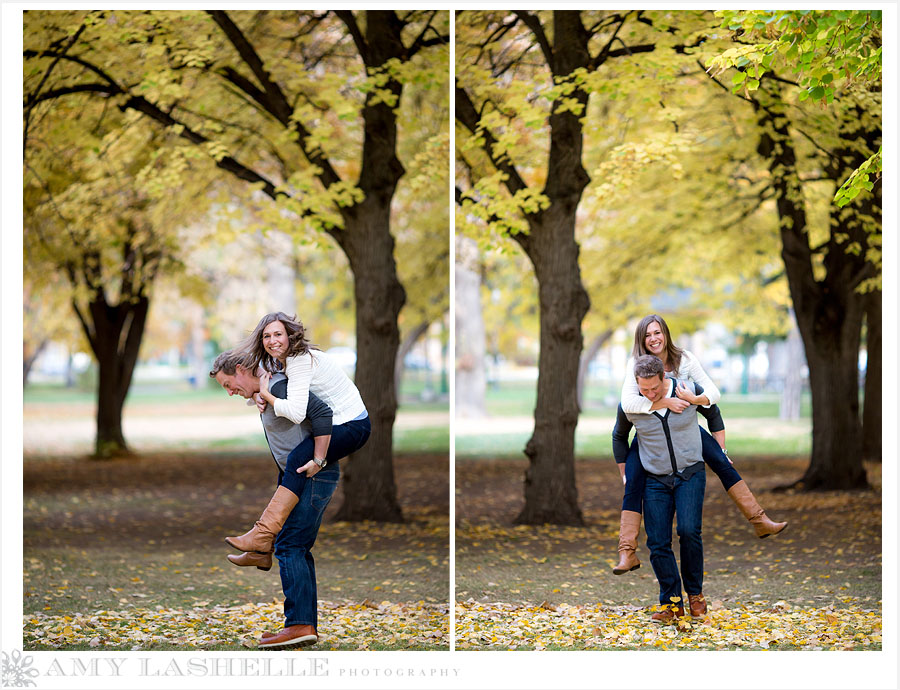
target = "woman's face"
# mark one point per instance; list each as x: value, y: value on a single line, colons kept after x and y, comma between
x: 275, y: 340
x: 654, y: 340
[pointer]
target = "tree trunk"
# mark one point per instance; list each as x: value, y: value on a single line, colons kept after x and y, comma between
x: 471, y: 381
x: 116, y: 339
x: 872, y: 428
x: 405, y: 346
x: 29, y: 360
x: 550, y: 492
x: 370, y: 492
x: 586, y: 358
x: 829, y: 311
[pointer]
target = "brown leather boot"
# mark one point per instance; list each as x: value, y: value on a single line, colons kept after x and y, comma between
x: 698, y: 605
x: 629, y: 526
x: 262, y: 536
x: 263, y: 561
x: 292, y: 636
x: 740, y: 493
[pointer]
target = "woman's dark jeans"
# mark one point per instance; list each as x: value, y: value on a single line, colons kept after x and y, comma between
x: 635, y: 476
x: 346, y: 438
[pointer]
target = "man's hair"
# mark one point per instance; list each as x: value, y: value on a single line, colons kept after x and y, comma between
x: 226, y: 362
x: 648, y: 366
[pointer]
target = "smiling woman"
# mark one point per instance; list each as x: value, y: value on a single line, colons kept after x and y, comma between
x: 294, y: 385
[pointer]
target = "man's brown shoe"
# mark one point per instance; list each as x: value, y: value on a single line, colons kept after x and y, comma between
x: 290, y: 637
x: 698, y: 604
x: 667, y: 615
x: 263, y: 561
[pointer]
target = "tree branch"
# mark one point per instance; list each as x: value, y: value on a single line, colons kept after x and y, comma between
x: 349, y: 20
x: 421, y: 42
x: 468, y: 116
x: 533, y: 23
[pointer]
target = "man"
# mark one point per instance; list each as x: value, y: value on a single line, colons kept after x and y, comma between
x: 298, y: 534
x: 671, y: 454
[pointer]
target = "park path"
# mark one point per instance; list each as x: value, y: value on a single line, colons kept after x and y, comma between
x: 48, y: 430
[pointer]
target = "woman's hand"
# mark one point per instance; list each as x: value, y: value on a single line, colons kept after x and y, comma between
x: 310, y: 468
x: 685, y: 394
x: 264, y: 378
x: 677, y: 405
x: 260, y: 402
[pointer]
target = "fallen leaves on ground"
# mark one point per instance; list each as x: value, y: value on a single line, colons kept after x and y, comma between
x: 757, y: 625
x: 386, y: 624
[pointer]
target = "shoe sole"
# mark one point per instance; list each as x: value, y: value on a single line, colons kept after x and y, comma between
x: 622, y: 572
x: 304, y: 641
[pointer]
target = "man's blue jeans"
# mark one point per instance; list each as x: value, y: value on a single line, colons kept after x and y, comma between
x: 293, y: 547
x: 661, y: 504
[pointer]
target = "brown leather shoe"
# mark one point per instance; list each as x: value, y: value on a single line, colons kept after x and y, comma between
x: 263, y: 561
x: 698, y: 605
x: 290, y: 637
x: 667, y: 615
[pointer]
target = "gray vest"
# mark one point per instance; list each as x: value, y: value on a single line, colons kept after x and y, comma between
x: 665, y: 437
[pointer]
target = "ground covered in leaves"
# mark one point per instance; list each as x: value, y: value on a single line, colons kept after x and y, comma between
x: 129, y: 554
x: 817, y: 585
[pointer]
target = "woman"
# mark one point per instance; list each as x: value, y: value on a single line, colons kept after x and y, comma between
x: 652, y: 337
x: 278, y: 343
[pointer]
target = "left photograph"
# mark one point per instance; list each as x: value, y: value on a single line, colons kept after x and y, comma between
x: 236, y: 330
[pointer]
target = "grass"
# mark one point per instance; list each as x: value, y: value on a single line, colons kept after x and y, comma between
x: 144, y: 533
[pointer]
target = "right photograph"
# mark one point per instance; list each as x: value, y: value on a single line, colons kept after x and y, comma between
x: 668, y: 319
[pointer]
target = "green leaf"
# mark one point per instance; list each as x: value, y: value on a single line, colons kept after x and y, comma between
x: 738, y: 78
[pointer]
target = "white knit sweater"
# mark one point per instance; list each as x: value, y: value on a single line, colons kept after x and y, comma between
x: 635, y: 403
x: 318, y: 372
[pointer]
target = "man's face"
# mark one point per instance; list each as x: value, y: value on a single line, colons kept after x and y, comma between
x: 241, y: 383
x: 652, y: 388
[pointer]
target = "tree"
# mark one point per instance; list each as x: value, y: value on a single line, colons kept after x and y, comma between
x: 830, y: 271
x: 509, y: 64
x: 90, y: 225
x: 303, y: 106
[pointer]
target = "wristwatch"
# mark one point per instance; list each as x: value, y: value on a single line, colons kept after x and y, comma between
x: 321, y: 462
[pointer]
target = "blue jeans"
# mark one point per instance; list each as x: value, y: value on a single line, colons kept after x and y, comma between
x: 346, y: 438
x: 713, y: 456
x: 293, y: 547
x: 661, y: 504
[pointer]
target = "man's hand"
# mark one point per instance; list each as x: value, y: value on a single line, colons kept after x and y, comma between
x: 310, y: 468
x: 677, y: 405
x: 260, y: 403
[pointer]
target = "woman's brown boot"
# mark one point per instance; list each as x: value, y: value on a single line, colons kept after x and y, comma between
x: 740, y: 493
x: 263, y: 561
x: 262, y: 536
x: 629, y: 526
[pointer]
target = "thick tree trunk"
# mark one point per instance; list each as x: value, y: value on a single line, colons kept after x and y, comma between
x: 471, y: 380
x: 832, y: 352
x: 116, y: 340
x: 872, y: 428
x: 587, y: 357
x: 551, y: 495
x: 370, y: 492
x: 829, y: 311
